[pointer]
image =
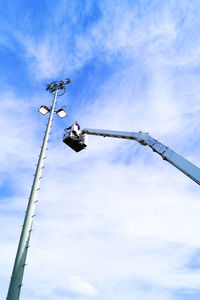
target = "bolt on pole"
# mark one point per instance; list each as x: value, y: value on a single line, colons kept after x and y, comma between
x: 20, y: 260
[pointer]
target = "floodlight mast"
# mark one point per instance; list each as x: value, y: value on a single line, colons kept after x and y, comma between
x: 57, y: 88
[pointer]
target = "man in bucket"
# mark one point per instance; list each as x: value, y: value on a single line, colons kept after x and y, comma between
x: 74, y: 129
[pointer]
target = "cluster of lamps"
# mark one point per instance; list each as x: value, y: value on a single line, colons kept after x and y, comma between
x: 58, y: 89
x: 60, y: 112
x: 57, y: 85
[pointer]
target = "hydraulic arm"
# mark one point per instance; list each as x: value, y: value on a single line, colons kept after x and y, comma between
x: 144, y: 139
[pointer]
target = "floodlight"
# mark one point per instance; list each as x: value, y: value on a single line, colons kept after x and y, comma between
x: 61, y: 84
x: 43, y: 110
x: 61, y: 113
x: 47, y: 87
x: 67, y: 81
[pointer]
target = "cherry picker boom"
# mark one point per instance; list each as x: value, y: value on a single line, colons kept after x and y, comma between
x: 78, y: 143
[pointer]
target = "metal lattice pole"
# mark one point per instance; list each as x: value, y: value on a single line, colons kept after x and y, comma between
x: 20, y: 260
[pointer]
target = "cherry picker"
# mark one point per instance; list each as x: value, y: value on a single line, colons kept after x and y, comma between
x: 80, y: 142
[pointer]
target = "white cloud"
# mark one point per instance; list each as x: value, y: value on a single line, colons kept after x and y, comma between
x: 68, y: 287
x: 116, y: 214
x: 79, y: 286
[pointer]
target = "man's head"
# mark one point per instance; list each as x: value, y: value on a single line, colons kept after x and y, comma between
x: 76, y: 123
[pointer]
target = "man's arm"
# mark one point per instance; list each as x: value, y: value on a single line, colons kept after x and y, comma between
x: 67, y: 128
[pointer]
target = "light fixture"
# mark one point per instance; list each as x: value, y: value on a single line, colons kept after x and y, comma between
x: 47, y: 87
x: 67, y: 81
x: 61, y: 113
x: 43, y: 110
x: 61, y: 84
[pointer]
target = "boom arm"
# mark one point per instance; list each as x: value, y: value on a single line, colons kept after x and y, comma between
x: 144, y: 139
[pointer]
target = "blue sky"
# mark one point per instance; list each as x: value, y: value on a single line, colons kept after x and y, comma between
x: 114, y: 221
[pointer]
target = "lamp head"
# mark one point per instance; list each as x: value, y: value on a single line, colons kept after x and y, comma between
x: 61, y: 113
x: 47, y: 87
x: 43, y: 110
x: 61, y: 84
x: 67, y: 81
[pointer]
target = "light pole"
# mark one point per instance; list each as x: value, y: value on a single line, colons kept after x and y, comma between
x: 57, y: 88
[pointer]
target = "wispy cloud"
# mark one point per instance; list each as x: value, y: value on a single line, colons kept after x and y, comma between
x: 114, y: 221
